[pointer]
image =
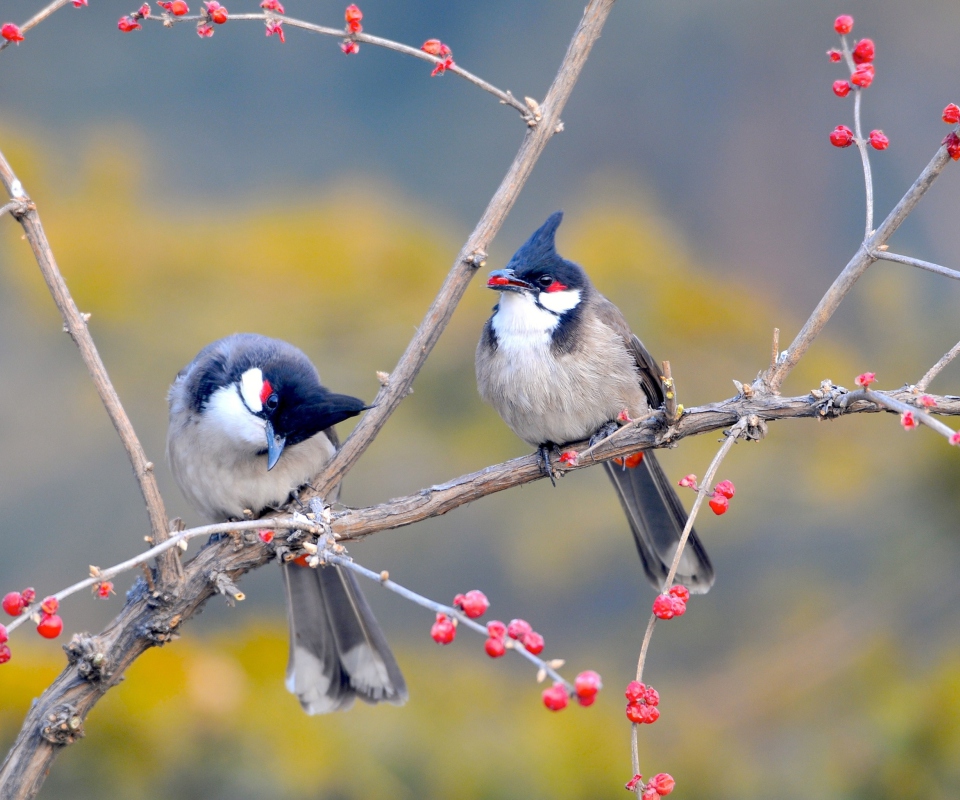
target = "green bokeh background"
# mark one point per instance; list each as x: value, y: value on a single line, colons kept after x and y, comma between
x: 826, y: 660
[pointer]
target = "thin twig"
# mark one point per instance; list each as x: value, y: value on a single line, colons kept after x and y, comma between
x: 669, y: 393
x: 935, y: 370
x: 900, y: 407
x: 861, y: 142
x: 506, y: 98
x: 473, y: 254
x: 735, y: 432
x: 76, y: 325
x: 862, y: 259
x: 885, y: 255
x: 37, y: 18
x: 440, y: 608
x: 775, y: 348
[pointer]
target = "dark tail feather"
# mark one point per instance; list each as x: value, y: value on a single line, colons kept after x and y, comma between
x: 657, y: 520
x: 337, y: 650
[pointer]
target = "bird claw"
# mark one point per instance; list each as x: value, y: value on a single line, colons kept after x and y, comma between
x: 543, y: 461
x: 607, y: 429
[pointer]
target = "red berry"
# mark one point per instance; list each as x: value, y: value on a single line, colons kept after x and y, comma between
x: 50, y: 605
x: 29, y: 595
x: 127, y: 24
x: 586, y: 701
x: 496, y: 629
x: 216, y: 12
x: 474, y: 603
x: 955, y: 438
x: 204, y: 31
x: 353, y: 15
x: 834, y: 55
x: 435, y: 48
x: 442, y: 67
x: 3, y: 634
x: 663, y: 783
x: 587, y: 684
x: 841, y: 136
x: 518, y: 628
x: 841, y: 88
x: 571, y: 458
x: 909, y: 421
x: 843, y: 24
x: 533, y: 642
x: 265, y: 536
x: 624, y: 415
x: 951, y: 114
x: 688, y: 481
x: 143, y: 11
x: 104, y: 589
x: 663, y: 607
x: 863, y: 75
x: 556, y: 698
x: 277, y: 28
x: 865, y: 379
x: 50, y: 626
x: 879, y: 140
x: 650, y: 793
x: 178, y: 8
x: 651, y: 697
x: 952, y: 141
x: 926, y: 401
x: 719, y: 504
x: 635, y: 691
x: 495, y: 647
x: 443, y: 630
x: 80, y: 3
x: 680, y: 591
x: 642, y: 714
x: 4, y: 654
x: 11, y: 33
x: 349, y: 47
x: 273, y: 5
x: 726, y: 488
x: 13, y: 604
x: 864, y: 52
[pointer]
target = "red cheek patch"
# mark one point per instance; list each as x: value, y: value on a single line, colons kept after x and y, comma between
x: 265, y: 391
x: 556, y: 286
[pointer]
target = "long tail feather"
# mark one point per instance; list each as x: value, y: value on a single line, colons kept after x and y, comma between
x: 657, y: 520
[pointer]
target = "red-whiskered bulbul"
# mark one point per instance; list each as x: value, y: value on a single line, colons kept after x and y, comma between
x: 559, y: 363
x: 250, y: 424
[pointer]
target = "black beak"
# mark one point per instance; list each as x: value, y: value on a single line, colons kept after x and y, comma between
x: 505, y: 280
x: 274, y: 446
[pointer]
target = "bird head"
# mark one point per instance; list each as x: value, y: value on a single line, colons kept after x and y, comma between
x: 539, y: 275
x: 265, y: 395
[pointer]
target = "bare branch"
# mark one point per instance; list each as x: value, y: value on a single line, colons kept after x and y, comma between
x: 735, y: 433
x: 473, y: 254
x: 845, y: 281
x: 901, y: 407
x: 885, y: 255
x: 935, y: 370
x: 75, y: 324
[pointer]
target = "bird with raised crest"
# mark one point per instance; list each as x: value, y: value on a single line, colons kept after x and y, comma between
x: 559, y: 363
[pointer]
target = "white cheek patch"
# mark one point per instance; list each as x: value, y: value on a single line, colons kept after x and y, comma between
x: 518, y: 315
x: 227, y: 413
x: 251, y: 384
x: 561, y: 301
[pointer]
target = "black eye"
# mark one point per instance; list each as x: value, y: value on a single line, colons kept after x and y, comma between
x: 545, y: 280
x: 272, y: 402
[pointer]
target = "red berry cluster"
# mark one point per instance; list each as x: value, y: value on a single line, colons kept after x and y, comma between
x: 4, y: 647
x: 951, y: 115
x: 437, y: 48
x: 214, y: 12
x: 642, y: 702
x: 861, y: 77
x: 14, y: 603
x: 176, y: 7
x: 585, y: 689
x: 11, y: 33
x: 660, y: 785
x: 722, y: 494
x: 522, y: 631
x: 496, y: 645
x: 353, y: 15
x: 672, y: 604
x: 131, y: 22
x: 474, y: 603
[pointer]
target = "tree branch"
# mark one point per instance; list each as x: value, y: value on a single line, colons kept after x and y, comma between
x: 37, y: 18
x: 935, y: 370
x: 884, y: 255
x: 75, y: 324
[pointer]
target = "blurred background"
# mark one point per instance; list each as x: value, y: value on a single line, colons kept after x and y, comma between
x: 193, y: 188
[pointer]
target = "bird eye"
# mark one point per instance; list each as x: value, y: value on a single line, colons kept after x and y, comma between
x: 545, y: 280
x: 272, y: 402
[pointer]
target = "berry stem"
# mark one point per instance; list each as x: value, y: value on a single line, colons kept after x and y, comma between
x: 900, y: 407
x: 732, y: 435
x: 861, y: 142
